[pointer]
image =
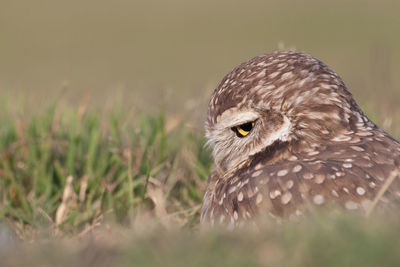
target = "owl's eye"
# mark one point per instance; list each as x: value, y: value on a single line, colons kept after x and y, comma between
x: 244, y: 129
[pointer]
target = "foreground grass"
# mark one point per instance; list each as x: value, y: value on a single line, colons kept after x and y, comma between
x: 69, y: 170
x: 122, y: 189
x: 318, y: 241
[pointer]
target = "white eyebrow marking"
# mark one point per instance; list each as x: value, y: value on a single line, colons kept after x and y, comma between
x: 233, y: 117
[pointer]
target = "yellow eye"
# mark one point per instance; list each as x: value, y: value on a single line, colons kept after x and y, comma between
x: 244, y: 129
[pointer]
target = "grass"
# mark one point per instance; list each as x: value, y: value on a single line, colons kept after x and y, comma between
x: 317, y: 241
x: 71, y: 169
x: 80, y: 187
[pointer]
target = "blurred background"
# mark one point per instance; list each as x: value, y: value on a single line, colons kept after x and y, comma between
x: 173, y: 53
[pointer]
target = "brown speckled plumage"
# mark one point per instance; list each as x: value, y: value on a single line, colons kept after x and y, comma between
x: 311, y: 145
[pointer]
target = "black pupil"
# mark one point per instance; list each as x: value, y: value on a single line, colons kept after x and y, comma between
x: 247, y: 126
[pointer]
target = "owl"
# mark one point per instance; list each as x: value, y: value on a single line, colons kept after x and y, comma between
x: 287, y: 137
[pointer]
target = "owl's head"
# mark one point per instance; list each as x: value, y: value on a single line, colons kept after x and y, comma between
x: 278, y: 98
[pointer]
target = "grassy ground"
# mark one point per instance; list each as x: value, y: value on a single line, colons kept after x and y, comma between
x: 71, y: 169
x: 80, y: 187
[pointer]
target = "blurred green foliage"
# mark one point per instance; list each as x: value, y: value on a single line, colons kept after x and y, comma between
x: 111, y: 163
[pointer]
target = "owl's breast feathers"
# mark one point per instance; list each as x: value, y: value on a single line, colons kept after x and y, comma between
x: 348, y: 173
